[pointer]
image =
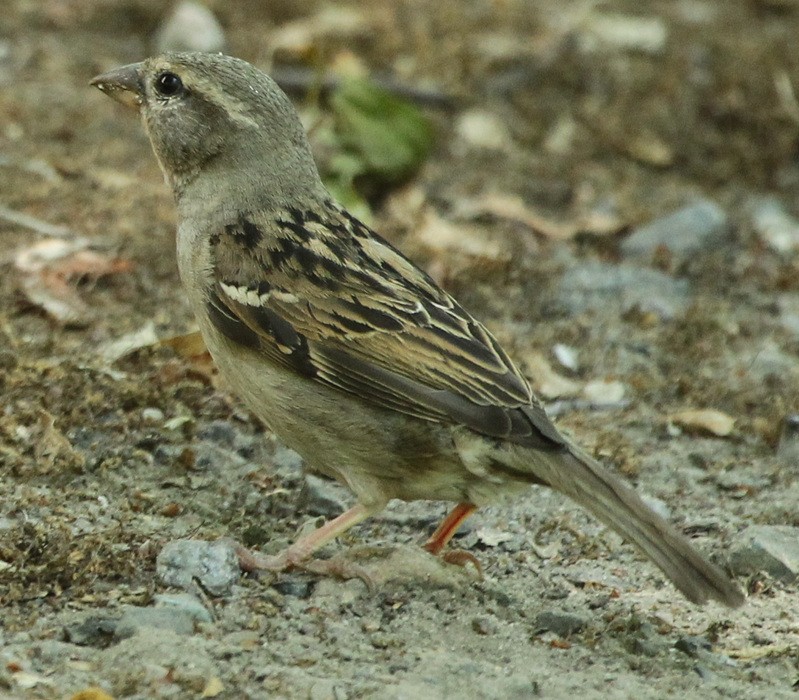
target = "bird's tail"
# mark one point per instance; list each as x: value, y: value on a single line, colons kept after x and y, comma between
x: 616, y: 504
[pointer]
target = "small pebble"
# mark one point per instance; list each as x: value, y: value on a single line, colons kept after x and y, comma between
x: 294, y: 587
x: 481, y: 129
x: 687, y: 230
x: 214, y: 564
x: 484, y: 625
x: 628, y: 32
x: 94, y: 631
x: 152, y: 415
x: 135, y: 619
x: 564, y: 624
x: 601, y: 392
x: 597, y: 286
x: 770, y: 548
x: 775, y: 226
x: 323, y: 497
x: 567, y: 356
x: 190, y: 27
x: 220, y: 432
x: 186, y: 603
x: 788, y: 447
x: 692, y: 645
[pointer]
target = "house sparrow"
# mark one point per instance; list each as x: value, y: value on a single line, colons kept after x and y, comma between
x: 350, y: 353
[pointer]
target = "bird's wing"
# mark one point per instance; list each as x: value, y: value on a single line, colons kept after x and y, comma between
x: 321, y: 293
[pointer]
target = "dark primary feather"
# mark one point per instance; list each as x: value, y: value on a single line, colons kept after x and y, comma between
x: 329, y: 298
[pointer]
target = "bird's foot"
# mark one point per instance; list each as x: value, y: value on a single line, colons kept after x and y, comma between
x: 336, y: 567
x: 460, y: 557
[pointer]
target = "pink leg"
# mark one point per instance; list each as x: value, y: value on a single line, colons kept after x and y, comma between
x: 298, y: 554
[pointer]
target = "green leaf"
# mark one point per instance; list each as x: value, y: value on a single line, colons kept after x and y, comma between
x: 389, y: 137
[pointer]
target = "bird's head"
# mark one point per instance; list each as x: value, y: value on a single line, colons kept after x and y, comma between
x: 214, y: 114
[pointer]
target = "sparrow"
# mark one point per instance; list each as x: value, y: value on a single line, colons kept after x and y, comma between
x: 352, y: 355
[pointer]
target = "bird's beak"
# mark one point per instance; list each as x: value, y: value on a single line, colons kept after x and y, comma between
x: 125, y: 84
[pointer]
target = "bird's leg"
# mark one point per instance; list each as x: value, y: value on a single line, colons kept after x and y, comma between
x: 444, y: 533
x: 298, y: 554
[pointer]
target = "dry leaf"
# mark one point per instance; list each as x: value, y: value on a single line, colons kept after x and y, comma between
x: 546, y: 381
x: 704, y: 420
x: 602, y: 392
x: 51, y: 266
x: 93, y: 693
x: 53, y: 451
x: 189, y: 345
x: 114, y: 350
x: 213, y: 688
x: 491, y: 538
x: 511, y: 207
x: 442, y: 236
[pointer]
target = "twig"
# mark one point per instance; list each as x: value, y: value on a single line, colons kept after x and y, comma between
x: 303, y: 80
x: 34, y: 224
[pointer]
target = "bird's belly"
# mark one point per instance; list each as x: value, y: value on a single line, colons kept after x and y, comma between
x: 379, y: 454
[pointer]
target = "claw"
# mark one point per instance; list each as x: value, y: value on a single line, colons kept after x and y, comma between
x: 460, y: 557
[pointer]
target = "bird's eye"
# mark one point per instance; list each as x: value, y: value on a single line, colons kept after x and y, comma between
x: 168, y: 84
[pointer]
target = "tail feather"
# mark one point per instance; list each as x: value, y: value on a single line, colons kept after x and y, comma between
x: 616, y: 504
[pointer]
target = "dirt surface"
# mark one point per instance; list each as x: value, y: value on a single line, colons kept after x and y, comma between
x: 569, y: 130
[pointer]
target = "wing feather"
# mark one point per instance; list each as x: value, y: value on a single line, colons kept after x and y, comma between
x: 329, y: 298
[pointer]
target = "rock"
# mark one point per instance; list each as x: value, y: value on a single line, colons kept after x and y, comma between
x: 656, y: 504
x: 168, y: 618
x: 323, y: 497
x: 646, y: 641
x: 153, y: 416
x: 598, y: 286
x: 693, y: 646
x: 294, y: 586
x: 564, y: 624
x: 627, y: 32
x: 214, y: 564
x: 603, y: 392
x: 708, y: 421
x: 484, y: 625
x: 327, y: 689
x: 94, y: 631
x: 788, y: 305
x: 218, y: 432
x: 567, y: 356
x: 143, y: 662
x: 692, y: 228
x: 190, y: 604
x: 190, y: 27
x: 775, y: 226
x: 788, y: 446
x: 770, y: 548
x: 482, y: 130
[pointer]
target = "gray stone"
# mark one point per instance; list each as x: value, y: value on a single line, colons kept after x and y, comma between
x: 686, y: 230
x: 94, y: 631
x: 770, y: 548
x: 775, y: 226
x: 323, y: 497
x: 214, y: 564
x: 595, y: 286
x: 692, y: 645
x: 135, y: 619
x: 564, y: 624
x: 190, y: 27
x: 788, y: 447
x: 185, y: 602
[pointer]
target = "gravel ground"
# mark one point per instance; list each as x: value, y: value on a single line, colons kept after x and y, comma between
x: 612, y: 189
